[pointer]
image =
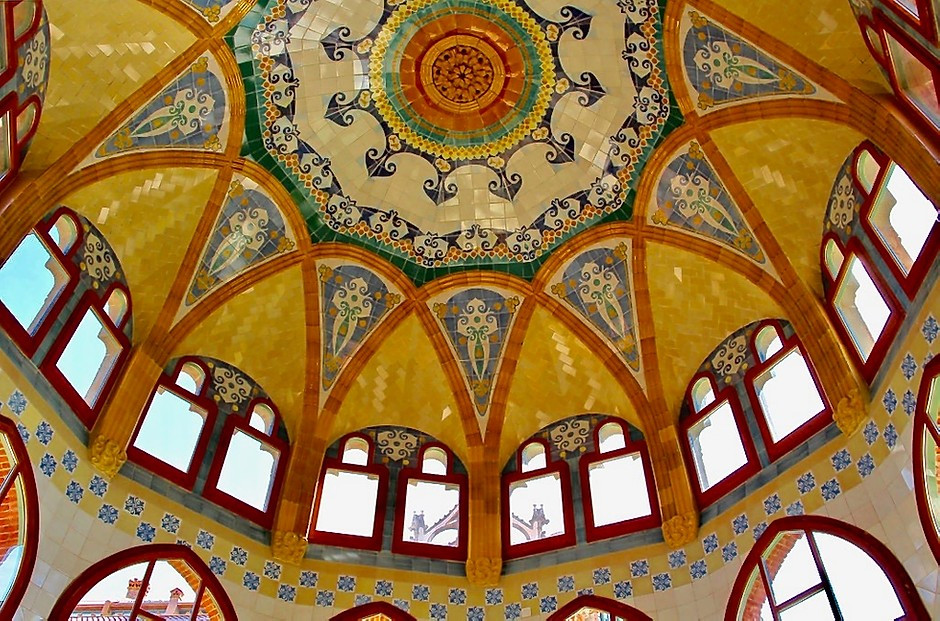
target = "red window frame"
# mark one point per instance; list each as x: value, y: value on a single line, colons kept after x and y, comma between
x: 868, y: 368
x: 373, y: 542
x: 29, y: 343
x: 150, y: 553
x: 743, y: 473
x: 23, y: 470
x: 158, y: 466
x: 596, y: 533
x: 910, y: 282
x: 925, y: 22
x: 923, y: 424
x: 233, y: 423
x: 511, y: 551
x: 776, y: 450
x: 399, y: 544
x: 903, y: 585
x: 617, y: 610
x: 91, y: 300
x: 371, y: 609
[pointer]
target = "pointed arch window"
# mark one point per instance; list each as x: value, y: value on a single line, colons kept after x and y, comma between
x: 374, y: 611
x: 19, y: 518
x: 926, y: 451
x: 617, y: 484
x: 595, y: 608
x: 537, y: 511
x: 431, y: 507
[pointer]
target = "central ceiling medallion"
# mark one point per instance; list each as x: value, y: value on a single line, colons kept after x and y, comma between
x: 449, y: 133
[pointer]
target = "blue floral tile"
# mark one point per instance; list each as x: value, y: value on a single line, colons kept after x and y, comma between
x: 420, y: 592
x: 24, y: 432
x: 475, y: 613
x: 44, y: 433
x: 47, y: 465
x: 494, y: 597
x: 287, y: 592
x: 908, y: 366
x: 217, y: 566
x: 891, y: 435
x: 17, y: 403
x: 108, y: 514
x: 205, y: 540
x: 796, y: 508
x: 772, y: 504
x: 309, y: 579
x: 841, y: 460
x: 759, y: 530
x: 710, y: 543
x: 739, y: 524
x: 870, y: 432
x: 251, y: 581
x: 639, y: 568
x: 865, y: 465
x: 239, y: 556
x: 402, y: 604
x: 383, y: 588
x: 325, y: 599
x: 146, y: 532
x: 184, y: 543
x: 362, y: 599
x: 831, y: 489
x: 98, y: 486
x: 134, y: 505
x: 908, y: 402
x: 272, y: 570
x: 346, y: 584
x: 170, y: 523
x: 729, y: 552
x: 698, y: 569
x: 69, y: 461
x: 676, y: 559
x: 74, y: 491
x: 566, y: 584
x: 662, y: 582
x: 623, y: 589
x: 890, y: 401
x: 806, y: 483
x: 438, y: 612
x: 585, y: 591
x: 930, y: 329
x: 513, y: 611
x: 530, y: 590
x: 457, y: 597
x: 601, y: 576
x: 548, y: 604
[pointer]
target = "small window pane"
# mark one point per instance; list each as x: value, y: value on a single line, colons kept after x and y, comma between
x: 931, y: 480
x: 618, y: 490
x: 6, y: 146
x: 30, y: 282
x: 852, y: 571
x: 536, y: 509
x: 348, y: 503
x: 903, y: 218
x: 248, y: 470
x: 788, y: 395
x: 834, y: 259
x: 863, y: 311
x: 114, y: 587
x: 24, y: 14
x: 702, y: 394
x: 797, y: 571
x: 171, y: 429
x: 12, y: 537
x: 434, y: 462
x: 910, y: 6
x: 914, y: 79
x: 533, y: 457
x: 816, y: 608
x: 768, y: 343
x: 611, y: 438
x: 89, y: 357
x: 716, y: 446
x: 356, y: 451
x: 432, y: 513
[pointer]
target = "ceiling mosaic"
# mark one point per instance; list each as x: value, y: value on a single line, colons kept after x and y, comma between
x: 452, y: 134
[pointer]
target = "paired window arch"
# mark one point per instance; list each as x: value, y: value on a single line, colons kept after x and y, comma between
x: 596, y: 608
x: 158, y: 581
x: 201, y: 403
x: 758, y: 378
x: 373, y: 611
x: 814, y: 567
x: 926, y: 451
x: 881, y: 239
x: 396, y: 472
x: 64, y: 301
x: 601, y: 460
x: 19, y: 518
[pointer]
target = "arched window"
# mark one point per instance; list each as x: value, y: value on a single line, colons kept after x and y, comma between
x: 19, y: 518
x: 351, y: 496
x: 374, y: 611
x: 784, y: 390
x: 927, y: 454
x: 718, y: 447
x: 617, y: 484
x: 199, y: 402
x: 431, y: 507
x: 813, y: 567
x: 158, y: 581
x: 915, y: 75
x: 537, y: 507
x: 595, y: 608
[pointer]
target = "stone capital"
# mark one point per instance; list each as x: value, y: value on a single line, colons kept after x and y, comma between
x: 484, y: 571
x: 288, y: 546
x: 107, y: 455
x: 850, y: 412
x: 680, y: 530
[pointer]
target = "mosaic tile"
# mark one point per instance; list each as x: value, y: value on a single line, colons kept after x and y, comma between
x: 830, y: 489
x: 44, y: 433
x: 438, y: 612
x: 710, y: 543
x: 170, y: 523
x: 795, y: 508
x: 272, y: 570
x: 623, y: 589
x: 205, y: 540
x: 662, y: 582
x: 890, y: 401
x: 739, y: 524
x: 930, y: 329
x: 456, y: 596
x: 677, y: 558
x: 239, y: 556
x: 639, y: 568
x: 871, y: 432
x: 841, y: 460
x: 698, y: 569
x: 98, y: 486
x: 146, y: 532
x: 108, y: 514
x: 17, y: 403
x: 251, y: 581
x: 530, y: 590
x: 494, y: 597
x: 865, y: 465
x: 217, y: 565
x: 74, y: 491
x: 806, y: 483
x: 69, y: 461
x: 908, y: 402
x: 47, y: 465
x: 601, y: 576
x: 134, y: 505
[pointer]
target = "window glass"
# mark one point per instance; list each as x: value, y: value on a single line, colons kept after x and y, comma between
x: 536, y: 508
x: 797, y: 571
x: 6, y: 144
x: 903, y: 217
x: 190, y: 378
x: 618, y: 489
x: 356, y: 451
x: 262, y: 418
x: 24, y: 14
x: 248, y: 470
x: 931, y: 432
x: 167, y: 592
x: 862, y: 309
x: 716, y: 444
x: 12, y: 538
x: 533, y: 457
x: 788, y: 395
x: 434, y: 462
x: 30, y: 282
x: 432, y: 513
x: 171, y: 429
x: 611, y: 438
x: 834, y: 259
x: 852, y: 571
x: 89, y: 357
x: 348, y: 503
x: 914, y: 79
x: 908, y: 5
x: 867, y: 169
x: 815, y: 607
x: 702, y: 394
x: 768, y: 343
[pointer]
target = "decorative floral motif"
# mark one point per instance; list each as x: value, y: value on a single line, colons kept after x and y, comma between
x: 639, y: 568
x: 170, y: 523
x: 870, y: 432
x: 795, y: 508
x: 252, y: 581
x: 17, y: 403
x: 623, y: 589
x: 217, y: 566
x: 134, y: 505
x: 830, y: 489
x: 98, y: 486
x: 238, y: 556
x: 698, y: 569
x: 98, y: 260
x: 325, y: 598
x: 34, y: 55
x: 205, y: 540
x: 729, y: 552
x: 662, y: 582
x: 211, y: 10
x: 47, y: 465
x: 740, y: 524
x: 930, y: 329
x: 493, y: 597
x: 146, y: 532
x: 566, y: 584
x: 710, y: 543
x: 841, y: 460
x: 108, y: 514
x: 806, y: 483
x: 230, y: 386
x: 570, y: 435
x: 69, y: 461
x: 865, y: 465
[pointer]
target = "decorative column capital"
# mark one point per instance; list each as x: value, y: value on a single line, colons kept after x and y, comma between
x: 288, y: 546
x: 680, y: 530
x: 850, y: 412
x: 484, y: 571
x: 107, y: 455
